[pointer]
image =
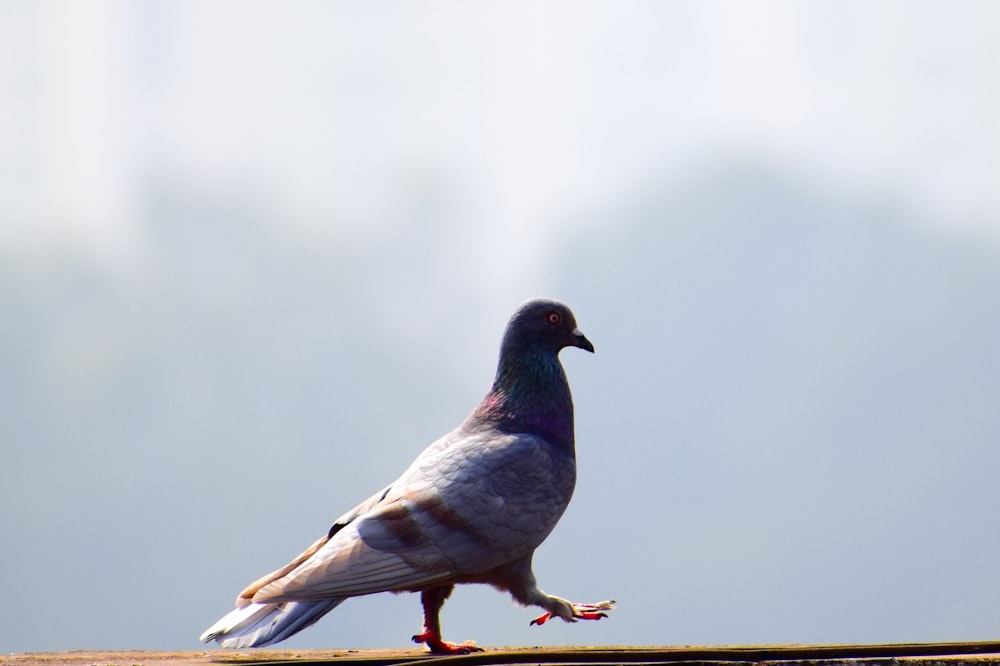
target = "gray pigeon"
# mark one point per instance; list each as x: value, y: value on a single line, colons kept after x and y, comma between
x: 471, y: 508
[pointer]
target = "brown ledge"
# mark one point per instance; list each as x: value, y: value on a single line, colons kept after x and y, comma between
x: 915, y: 654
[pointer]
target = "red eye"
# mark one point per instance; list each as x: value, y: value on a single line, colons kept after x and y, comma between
x: 554, y: 318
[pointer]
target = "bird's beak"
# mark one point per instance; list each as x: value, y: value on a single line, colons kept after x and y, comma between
x: 581, y: 341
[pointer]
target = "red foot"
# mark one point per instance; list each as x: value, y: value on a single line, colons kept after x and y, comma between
x: 580, y: 612
x: 438, y: 646
x: 584, y: 615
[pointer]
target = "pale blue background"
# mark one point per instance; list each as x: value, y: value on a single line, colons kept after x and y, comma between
x: 254, y: 256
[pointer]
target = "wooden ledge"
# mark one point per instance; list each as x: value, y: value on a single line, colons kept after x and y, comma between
x: 889, y: 654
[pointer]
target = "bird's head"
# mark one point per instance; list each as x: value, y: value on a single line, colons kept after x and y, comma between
x: 544, y: 322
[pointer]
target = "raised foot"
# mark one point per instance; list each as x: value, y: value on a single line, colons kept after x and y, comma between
x: 439, y: 646
x: 581, y: 612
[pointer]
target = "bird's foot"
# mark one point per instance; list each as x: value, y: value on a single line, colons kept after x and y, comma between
x: 580, y: 612
x: 439, y: 646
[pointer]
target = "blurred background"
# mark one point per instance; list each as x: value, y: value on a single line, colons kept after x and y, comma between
x: 254, y: 256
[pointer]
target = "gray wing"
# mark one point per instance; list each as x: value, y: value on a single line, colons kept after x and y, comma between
x: 469, y: 503
x: 246, y: 596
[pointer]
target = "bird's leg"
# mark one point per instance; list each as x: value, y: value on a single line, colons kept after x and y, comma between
x: 432, y: 600
x: 578, y: 611
x: 519, y: 580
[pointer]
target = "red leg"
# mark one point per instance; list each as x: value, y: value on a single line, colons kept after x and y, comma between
x: 432, y: 601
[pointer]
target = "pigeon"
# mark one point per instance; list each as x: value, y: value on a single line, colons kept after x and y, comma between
x: 472, y: 508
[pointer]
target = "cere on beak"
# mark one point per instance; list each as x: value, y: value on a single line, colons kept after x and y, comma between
x: 581, y: 340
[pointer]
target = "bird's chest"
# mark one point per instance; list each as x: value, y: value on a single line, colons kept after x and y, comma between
x: 515, y: 495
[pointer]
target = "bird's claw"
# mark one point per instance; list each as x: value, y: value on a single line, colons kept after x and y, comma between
x: 439, y: 646
x: 580, y: 612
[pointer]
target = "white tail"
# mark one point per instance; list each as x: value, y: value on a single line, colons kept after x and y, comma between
x: 257, y: 625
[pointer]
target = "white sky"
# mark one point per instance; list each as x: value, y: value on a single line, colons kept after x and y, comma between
x: 519, y: 114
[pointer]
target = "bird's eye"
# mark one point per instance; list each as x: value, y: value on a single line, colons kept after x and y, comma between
x: 554, y: 318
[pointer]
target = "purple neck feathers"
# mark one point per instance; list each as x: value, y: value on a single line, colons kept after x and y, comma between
x: 531, y: 395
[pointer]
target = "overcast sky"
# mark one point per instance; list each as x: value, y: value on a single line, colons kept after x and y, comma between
x: 254, y: 256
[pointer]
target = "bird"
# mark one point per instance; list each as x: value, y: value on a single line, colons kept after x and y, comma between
x: 471, y: 508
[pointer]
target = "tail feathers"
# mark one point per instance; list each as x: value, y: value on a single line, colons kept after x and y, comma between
x: 257, y: 625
